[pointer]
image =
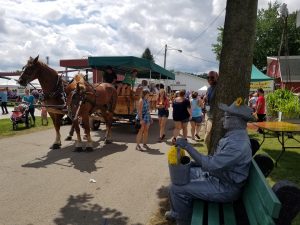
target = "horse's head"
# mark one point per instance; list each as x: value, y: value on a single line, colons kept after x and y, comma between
x: 29, y: 71
x: 78, y: 84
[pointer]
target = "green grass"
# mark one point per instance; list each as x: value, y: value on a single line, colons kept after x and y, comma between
x: 6, y: 128
x: 288, y: 164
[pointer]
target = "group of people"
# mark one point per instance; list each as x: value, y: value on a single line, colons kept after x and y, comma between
x: 185, y: 110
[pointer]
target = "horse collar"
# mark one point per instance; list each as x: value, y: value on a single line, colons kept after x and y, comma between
x: 58, y: 91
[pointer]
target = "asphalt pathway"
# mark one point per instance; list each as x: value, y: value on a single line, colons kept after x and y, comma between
x: 114, y: 185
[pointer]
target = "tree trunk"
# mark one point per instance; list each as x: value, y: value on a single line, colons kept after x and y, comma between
x: 236, y: 59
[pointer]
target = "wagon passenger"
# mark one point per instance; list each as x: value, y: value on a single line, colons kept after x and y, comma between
x: 128, y: 83
x: 217, y: 178
x: 109, y: 75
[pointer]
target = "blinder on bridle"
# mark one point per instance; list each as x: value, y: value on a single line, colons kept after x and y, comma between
x: 26, y: 74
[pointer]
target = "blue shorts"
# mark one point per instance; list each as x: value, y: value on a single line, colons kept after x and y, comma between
x: 163, y: 113
x: 197, y: 119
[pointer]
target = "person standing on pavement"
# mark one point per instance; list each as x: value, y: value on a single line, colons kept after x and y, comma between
x: 4, y: 101
x: 182, y: 114
x: 30, y: 100
x: 196, y: 105
x: 162, y: 106
x: 212, y: 81
x: 143, y: 115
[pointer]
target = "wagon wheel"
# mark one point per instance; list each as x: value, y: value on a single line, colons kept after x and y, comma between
x: 95, y: 124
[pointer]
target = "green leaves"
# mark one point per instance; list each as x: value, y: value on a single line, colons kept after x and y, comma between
x: 284, y: 101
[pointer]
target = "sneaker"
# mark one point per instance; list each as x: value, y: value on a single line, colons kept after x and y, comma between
x: 138, y: 147
x: 169, y: 216
x: 174, y: 141
x: 146, y: 146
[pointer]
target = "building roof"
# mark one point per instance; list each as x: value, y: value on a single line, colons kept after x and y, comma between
x: 290, y: 68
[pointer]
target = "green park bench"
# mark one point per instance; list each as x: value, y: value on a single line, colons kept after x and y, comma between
x: 260, y: 203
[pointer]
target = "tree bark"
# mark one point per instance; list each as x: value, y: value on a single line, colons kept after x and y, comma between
x: 236, y: 60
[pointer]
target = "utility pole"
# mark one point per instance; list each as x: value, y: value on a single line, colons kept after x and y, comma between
x: 166, y: 47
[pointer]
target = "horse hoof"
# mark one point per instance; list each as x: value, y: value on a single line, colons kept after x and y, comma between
x: 107, y: 142
x: 55, y: 146
x: 69, y: 138
x: 78, y: 149
x: 89, y: 149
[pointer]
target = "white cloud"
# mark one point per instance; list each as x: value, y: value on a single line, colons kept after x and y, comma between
x: 64, y: 29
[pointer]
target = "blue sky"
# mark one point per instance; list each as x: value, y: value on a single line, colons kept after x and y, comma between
x: 63, y: 29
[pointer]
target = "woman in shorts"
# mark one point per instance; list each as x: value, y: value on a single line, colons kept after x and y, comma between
x: 197, y: 115
x: 163, y: 112
x: 143, y: 115
x: 181, y: 115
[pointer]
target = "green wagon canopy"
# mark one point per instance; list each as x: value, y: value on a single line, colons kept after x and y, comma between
x: 124, y: 64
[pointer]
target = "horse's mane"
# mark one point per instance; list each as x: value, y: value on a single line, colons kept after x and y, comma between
x: 43, y: 65
x: 79, y: 81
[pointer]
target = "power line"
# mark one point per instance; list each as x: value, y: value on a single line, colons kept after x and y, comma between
x: 208, y: 26
x: 206, y: 60
x: 155, y: 55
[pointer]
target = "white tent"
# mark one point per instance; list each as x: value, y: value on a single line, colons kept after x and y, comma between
x: 10, y: 83
x: 203, y: 90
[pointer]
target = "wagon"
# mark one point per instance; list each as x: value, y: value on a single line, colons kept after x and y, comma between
x: 127, y: 105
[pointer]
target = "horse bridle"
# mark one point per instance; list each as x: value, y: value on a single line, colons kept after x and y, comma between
x: 58, y: 89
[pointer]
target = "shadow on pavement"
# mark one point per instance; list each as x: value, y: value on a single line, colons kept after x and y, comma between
x: 83, y: 161
x: 79, y: 210
x: 164, y: 205
x: 119, y: 130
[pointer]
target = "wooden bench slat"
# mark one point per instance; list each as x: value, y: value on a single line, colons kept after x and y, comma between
x: 213, y: 213
x: 229, y: 215
x: 250, y: 211
x: 261, y: 214
x: 198, y: 212
x: 267, y: 196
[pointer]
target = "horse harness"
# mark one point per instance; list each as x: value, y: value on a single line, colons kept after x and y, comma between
x: 59, y: 92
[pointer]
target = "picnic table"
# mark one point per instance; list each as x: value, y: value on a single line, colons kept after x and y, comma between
x: 282, y: 131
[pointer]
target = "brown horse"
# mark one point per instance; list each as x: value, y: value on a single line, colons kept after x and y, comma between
x: 54, y: 91
x: 86, y: 99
